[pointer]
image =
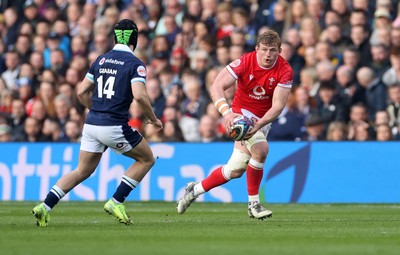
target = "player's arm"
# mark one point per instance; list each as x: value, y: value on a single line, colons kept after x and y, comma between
x: 84, y: 92
x: 279, y: 99
x: 141, y: 97
x: 223, y: 81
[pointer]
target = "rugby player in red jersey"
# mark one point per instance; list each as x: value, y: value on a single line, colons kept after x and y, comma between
x: 264, y: 80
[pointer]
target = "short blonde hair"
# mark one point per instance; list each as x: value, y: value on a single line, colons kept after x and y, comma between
x: 270, y: 38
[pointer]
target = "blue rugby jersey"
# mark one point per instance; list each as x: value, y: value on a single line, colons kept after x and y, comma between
x: 112, y: 75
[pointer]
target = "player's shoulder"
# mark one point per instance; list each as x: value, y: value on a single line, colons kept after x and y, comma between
x: 282, y: 63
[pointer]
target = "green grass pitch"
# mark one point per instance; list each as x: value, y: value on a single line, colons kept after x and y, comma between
x: 206, y: 228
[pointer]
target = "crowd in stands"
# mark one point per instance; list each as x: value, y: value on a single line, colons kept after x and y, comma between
x: 345, y: 55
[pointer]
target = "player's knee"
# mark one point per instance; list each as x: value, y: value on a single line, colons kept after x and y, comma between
x: 236, y: 165
x: 148, y: 162
x: 237, y: 173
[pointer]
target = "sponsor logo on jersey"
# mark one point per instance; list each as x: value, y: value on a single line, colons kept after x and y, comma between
x: 141, y: 70
x: 235, y: 63
x: 114, y: 61
x: 102, y: 61
x: 259, y: 93
x: 251, y: 77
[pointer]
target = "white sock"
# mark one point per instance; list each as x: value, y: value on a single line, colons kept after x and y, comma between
x: 253, y: 199
x: 198, y: 189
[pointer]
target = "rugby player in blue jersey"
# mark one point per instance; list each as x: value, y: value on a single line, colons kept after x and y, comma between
x: 110, y: 85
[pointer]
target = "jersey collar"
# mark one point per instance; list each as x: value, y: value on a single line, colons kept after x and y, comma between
x: 122, y: 47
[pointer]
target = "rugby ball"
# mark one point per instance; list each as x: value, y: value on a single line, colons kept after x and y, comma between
x: 240, y: 126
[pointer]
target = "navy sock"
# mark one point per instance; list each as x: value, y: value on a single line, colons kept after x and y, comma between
x: 55, y: 195
x: 122, y: 192
x: 51, y: 200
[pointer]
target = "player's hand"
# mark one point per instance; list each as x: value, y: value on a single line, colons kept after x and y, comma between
x: 157, y: 123
x: 254, y: 130
x: 228, y: 120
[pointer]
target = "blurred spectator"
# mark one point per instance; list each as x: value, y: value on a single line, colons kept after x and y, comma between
x: 329, y: 107
x: 242, y: 22
x: 171, y: 28
x: 280, y: 13
x: 360, y: 132
x: 380, y: 59
x: 392, y: 75
x: 37, y: 110
x: 5, y: 133
x: 5, y: 100
x: 156, y: 96
x: 10, y: 75
x: 24, y: 89
x: 62, y: 106
x: 200, y: 31
x: 189, y: 126
x: 52, y: 131
x: 339, y: 10
x: 395, y: 36
x: 17, y: 118
x: 337, y: 131
x: 290, y: 125
x: 30, y: 12
x: 289, y: 53
x: 172, y: 132
x: 338, y: 42
x: 47, y: 93
x: 383, y: 133
x: 382, y: 18
x: 195, y: 103
x: 358, y: 17
x: 32, y: 131
x: 323, y: 52
x: 351, y: 58
x: 381, y: 117
x: 345, y: 86
x: 298, y: 11
x: 22, y: 46
x: 73, y: 131
x: 208, y: 129
x: 173, y: 8
x: 359, y: 36
x: 12, y: 23
x: 200, y: 61
x: 358, y: 114
x: 393, y: 108
x: 314, y: 129
x: 375, y: 90
x: 74, y: 12
x: 325, y: 72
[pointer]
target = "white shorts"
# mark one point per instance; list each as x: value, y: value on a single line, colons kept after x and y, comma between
x: 260, y: 136
x: 119, y: 138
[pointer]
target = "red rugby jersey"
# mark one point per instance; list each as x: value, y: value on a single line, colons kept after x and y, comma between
x: 256, y: 84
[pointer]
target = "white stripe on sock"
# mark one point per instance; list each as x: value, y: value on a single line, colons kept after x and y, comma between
x: 58, y: 191
x: 130, y: 182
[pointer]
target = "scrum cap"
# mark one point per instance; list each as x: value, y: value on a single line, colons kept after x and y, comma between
x: 126, y: 32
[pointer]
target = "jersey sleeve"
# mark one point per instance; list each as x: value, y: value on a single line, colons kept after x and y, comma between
x: 139, y: 74
x: 90, y: 73
x: 286, y: 77
x: 236, y: 67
